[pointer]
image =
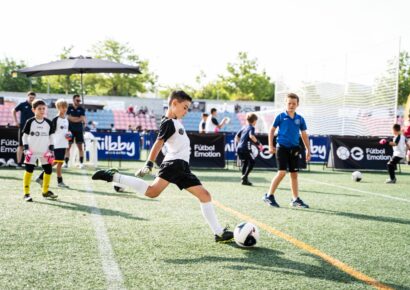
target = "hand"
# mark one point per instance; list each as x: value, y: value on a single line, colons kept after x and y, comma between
x: 307, y: 156
x: 27, y: 154
x: 382, y: 141
x: 145, y: 170
x: 272, y: 150
x: 260, y: 147
x: 49, y: 155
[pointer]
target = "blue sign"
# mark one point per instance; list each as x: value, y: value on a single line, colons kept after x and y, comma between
x: 230, y: 148
x: 118, y: 146
x: 319, y: 148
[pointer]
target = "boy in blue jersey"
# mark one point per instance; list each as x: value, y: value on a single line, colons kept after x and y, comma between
x: 244, y: 138
x: 287, y: 150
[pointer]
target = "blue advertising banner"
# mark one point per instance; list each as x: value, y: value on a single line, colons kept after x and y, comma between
x: 230, y: 148
x: 319, y: 148
x: 118, y: 146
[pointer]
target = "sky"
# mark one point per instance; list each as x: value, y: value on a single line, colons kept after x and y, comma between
x: 180, y: 38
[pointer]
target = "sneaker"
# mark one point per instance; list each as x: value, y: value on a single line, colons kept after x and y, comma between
x: 39, y: 181
x: 62, y: 185
x: 225, y: 237
x: 270, y: 199
x: 81, y: 166
x: 65, y: 165
x: 49, y: 195
x: 28, y: 198
x: 391, y: 181
x: 299, y: 203
x: 106, y: 175
x: 246, y: 182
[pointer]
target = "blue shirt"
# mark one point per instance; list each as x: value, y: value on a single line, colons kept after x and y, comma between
x: 78, y: 112
x: 289, y: 128
x: 244, y: 143
x: 25, y: 112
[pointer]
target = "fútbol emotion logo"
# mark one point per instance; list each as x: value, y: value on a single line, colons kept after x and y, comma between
x: 356, y: 153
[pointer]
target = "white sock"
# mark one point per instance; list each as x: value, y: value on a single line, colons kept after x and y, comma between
x: 138, y: 184
x: 210, y: 216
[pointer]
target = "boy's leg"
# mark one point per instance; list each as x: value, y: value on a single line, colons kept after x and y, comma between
x: 46, y: 177
x: 81, y: 152
x: 276, y: 181
x: 248, y: 169
x: 29, y: 168
x: 294, y: 184
x: 207, y: 208
x: 392, y: 166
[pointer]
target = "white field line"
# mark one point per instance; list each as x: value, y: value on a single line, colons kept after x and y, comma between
x: 111, y: 269
x: 356, y: 190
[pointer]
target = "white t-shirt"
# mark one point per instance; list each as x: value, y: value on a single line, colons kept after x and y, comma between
x: 177, y: 144
x: 61, y: 129
x: 38, y: 135
x: 211, y: 125
x: 400, y: 149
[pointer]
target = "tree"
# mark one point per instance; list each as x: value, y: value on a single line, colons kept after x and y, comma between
x: 404, y: 77
x: 10, y: 83
x: 119, y: 84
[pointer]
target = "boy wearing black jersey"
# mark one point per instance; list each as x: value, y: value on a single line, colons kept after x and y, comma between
x: 38, y: 145
x: 175, y: 166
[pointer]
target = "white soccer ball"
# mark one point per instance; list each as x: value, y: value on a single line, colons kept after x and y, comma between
x: 246, y: 235
x: 227, y: 120
x: 357, y: 176
x: 118, y: 187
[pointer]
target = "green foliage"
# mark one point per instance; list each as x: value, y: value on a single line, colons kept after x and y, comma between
x: 119, y: 84
x: 404, y: 77
x: 20, y: 83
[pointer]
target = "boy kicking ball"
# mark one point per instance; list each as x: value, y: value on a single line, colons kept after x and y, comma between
x: 175, y: 166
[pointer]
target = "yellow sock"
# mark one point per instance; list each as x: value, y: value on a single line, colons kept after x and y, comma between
x: 46, y: 182
x: 26, y: 182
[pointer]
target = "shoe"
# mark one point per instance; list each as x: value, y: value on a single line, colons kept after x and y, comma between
x: 391, y: 181
x: 39, y: 181
x: 49, y: 195
x: 299, y: 203
x: 225, y: 237
x: 65, y: 165
x: 246, y: 182
x: 81, y: 166
x: 270, y: 199
x: 28, y: 198
x: 106, y: 175
x: 62, y: 185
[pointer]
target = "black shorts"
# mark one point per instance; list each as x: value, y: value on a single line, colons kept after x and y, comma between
x: 245, y: 155
x: 20, y: 136
x: 59, y: 155
x: 288, y: 158
x: 394, y: 160
x: 78, y: 137
x: 178, y: 172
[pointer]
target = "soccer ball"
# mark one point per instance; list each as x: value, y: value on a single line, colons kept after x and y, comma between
x: 246, y: 235
x: 118, y: 187
x: 69, y: 136
x: 357, y: 176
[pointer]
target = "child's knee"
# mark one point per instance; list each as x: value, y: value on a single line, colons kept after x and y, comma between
x: 281, y: 174
x: 294, y: 175
x: 152, y: 192
x: 205, y: 197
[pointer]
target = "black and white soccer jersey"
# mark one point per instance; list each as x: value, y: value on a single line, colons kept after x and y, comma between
x: 211, y: 125
x: 400, y: 149
x: 177, y: 144
x: 38, y: 135
x: 61, y: 129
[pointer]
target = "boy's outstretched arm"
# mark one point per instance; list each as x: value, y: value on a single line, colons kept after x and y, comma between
x: 305, y: 139
x: 151, y: 158
x: 272, y: 148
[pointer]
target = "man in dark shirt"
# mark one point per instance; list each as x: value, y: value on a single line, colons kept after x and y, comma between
x: 25, y: 113
x: 76, y: 118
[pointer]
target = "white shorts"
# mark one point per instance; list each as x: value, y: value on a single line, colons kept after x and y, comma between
x: 34, y: 158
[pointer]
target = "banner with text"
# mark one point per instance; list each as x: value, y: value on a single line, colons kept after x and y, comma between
x: 8, y: 146
x: 118, y: 146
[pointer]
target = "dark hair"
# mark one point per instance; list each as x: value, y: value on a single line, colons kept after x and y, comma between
x: 293, y: 96
x: 396, y: 127
x: 213, y: 110
x: 76, y: 96
x: 31, y: 93
x: 205, y: 115
x: 180, y: 96
x: 251, y: 117
x: 38, y: 102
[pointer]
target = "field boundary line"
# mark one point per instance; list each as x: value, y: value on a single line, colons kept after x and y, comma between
x: 302, y: 245
x: 357, y: 190
x: 110, y: 267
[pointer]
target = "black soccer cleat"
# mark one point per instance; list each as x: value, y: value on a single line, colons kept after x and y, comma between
x: 225, y: 237
x: 28, y: 198
x: 49, y: 195
x: 299, y: 203
x: 246, y: 182
x: 270, y: 199
x: 391, y: 181
x: 106, y: 175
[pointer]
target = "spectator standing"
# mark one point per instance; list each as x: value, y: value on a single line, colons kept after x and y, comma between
x: 202, y: 123
x: 212, y: 125
x: 26, y: 112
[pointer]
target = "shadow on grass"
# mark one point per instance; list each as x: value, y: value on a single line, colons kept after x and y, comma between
x: 272, y: 261
x: 331, y: 193
x: 124, y: 194
x: 360, y: 216
x: 89, y: 209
